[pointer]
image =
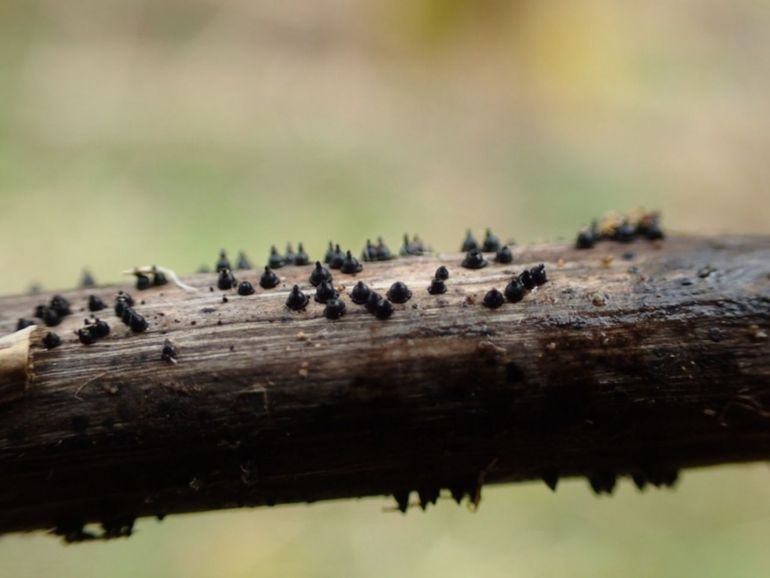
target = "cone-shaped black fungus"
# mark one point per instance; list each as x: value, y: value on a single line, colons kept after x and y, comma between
x: 437, y: 287
x: 158, y: 277
x: 515, y: 291
x: 470, y: 243
x: 402, y: 500
x: 301, y: 257
x: 350, y: 266
x: 383, y: 253
x: 318, y: 274
x: 337, y: 259
x: 225, y: 280
x: 85, y: 336
x: 290, y: 254
x: 493, y: 299
x: 474, y: 259
x: 625, y: 233
x: 504, y: 255
x: 245, y: 288
x: 50, y: 317
x: 297, y: 299
x: 23, y: 324
x: 551, y: 480
x: 371, y: 302
x: 360, y: 293
x: 51, y: 340
x: 122, y: 301
x: 585, y: 239
x: 168, y: 353
x: 268, y: 279
x: 383, y: 309
x: 335, y: 308
x: 325, y: 291
x: 538, y: 274
x: 142, y: 282
x: 39, y: 310
x: 223, y: 262
x: 60, y: 305
x: 527, y: 280
x: 491, y: 242
x: 99, y: 329
x: 329, y: 253
x: 442, y: 273
x: 243, y: 262
x: 87, y: 280
x: 276, y: 260
x: 413, y: 248
x: 370, y: 252
x: 136, y: 322
x: 654, y: 232
x: 399, y: 292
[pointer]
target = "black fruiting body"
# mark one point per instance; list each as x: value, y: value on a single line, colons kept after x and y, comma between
x: 399, y: 292
x: 585, y: 239
x: 335, y: 308
x: 60, y: 305
x: 85, y: 336
x: 442, y: 273
x: 370, y: 252
x: 50, y: 317
x: 87, y: 280
x: 383, y: 253
x: 625, y: 233
x: 325, y: 292
x: 24, y: 323
x: 504, y: 255
x: 515, y: 291
x: 653, y: 232
x: 51, y: 340
x: 301, y: 257
x: 493, y: 299
x: 474, y: 259
x: 337, y: 259
x: 226, y: 280
x: 223, y: 262
x: 122, y: 301
x: 268, y: 279
x: 245, y: 288
x: 413, y: 248
x: 243, y: 262
x: 276, y: 260
x: 491, y: 242
x: 158, y: 277
x: 383, y: 309
x: 437, y: 286
x: 168, y: 353
x: 360, y: 293
x: 538, y: 274
x: 142, y: 282
x: 318, y: 274
x: 99, y: 328
x: 329, y: 255
x: 290, y: 254
x: 470, y: 243
x: 297, y: 300
x: 39, y: 310
x: 402, y: 500
x: 136, y: 322
x: 527, y: 280
x: 350, y: 266
x: 372, y: 301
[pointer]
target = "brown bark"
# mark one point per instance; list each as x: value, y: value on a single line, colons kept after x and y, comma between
x: 626, y: 366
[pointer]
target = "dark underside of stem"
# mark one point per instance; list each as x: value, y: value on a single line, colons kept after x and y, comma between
x: 623, y: 363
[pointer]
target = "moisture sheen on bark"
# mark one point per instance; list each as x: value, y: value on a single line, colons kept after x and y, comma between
x: 622, y: 364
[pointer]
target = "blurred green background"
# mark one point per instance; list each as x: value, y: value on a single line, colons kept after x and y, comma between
x: 136, y: 132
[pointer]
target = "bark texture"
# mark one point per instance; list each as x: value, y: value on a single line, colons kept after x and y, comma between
x: 634, y: 359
